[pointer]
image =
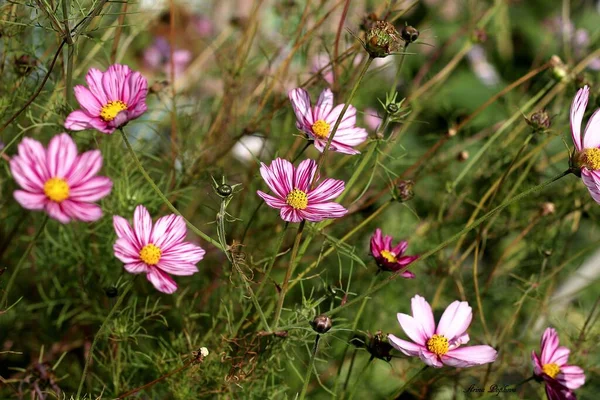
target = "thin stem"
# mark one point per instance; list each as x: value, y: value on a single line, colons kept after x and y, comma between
x: 97, y: 336
x: 397, y: 77
x: 407, y: 383
x: 272, y: 261
x: 21, y: 262
x: 455, y: 237
x: 152, y: 383
x: 361, y: 375
x: 163, y: 197
x: 358, y: 171
x: 288, y: 274
x: 310, y: 367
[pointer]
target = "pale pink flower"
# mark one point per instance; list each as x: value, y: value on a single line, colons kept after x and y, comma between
x: 58, y: 180
x: 552, y: 367
x: 390, y: 258
x: 156, y: 251
x: 317, y: 122
x: 587, y: 149
x: 293, y: 195
x: 114, y: 98
x: 158, y: 57
x: 372, y: 120
x: 440, y: 346
x: 321, y: 62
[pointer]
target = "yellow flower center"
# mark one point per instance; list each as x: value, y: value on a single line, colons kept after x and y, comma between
x: 112, y: 109
x: 57, y: 189
x: 437, y: 344
x: 551, y: 370
x: 389, y: 256
x: 321, y: 129
x: 298, y: 199
x: 150, y: 254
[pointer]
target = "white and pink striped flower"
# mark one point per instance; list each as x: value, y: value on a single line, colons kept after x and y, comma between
x: 439, y: 346
x: 156, y: 251
x: 58, y: 180
x: 317, y: 122
x: 586, y: 156
x: 114, y: 98
x: 294, y: 196
x: 551, y: 365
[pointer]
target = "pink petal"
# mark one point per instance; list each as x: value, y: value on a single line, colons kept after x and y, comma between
x: 290, y: 214
x: 591, y: 137
x: 407, y: 275
x: 327, y: 190
x: 455, y: 320
x: 29, y: 167
x: 30, y: 201
x: 161, y: 281
x: 177, y: 268
x: 549, y: 344
x: 278, y: 176
x: 168, y: 231
x: 400, y: 248
x: 412, y: 328
x: 91, y: 190
x: 577, y: 110
x: 324, y: 105
x: 422, y: 314
x: 61, y: 155
x: 135, y: 92
x: 304, y: 174
x: 126, y: 251
x: 113, y: 81
x: 136, y: 267
x: 321, y: 211
x: 94, y: 81
x: 571, y: 377
x: 272, y: 201
x: 537, y: 365
x: 88, y: 102
x: 350, y: 136
x: 86, y: 166
x: 55, y: 211
x: 124, y: 230
x: 182, y: 253
x: 301, y: 106
x: 469, y: 356
x: 142, y: 224
x: 25, y: 176
x: 561, y: 356
x: 408, y: 348
x: 87, y: 212
x: 348, y: 121
x: 590, y: 182
x: 79, y: 121
x: 335, y: 146
x: 430, y: 358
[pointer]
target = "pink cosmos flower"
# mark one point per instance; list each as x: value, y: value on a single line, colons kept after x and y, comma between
x: 157, y: 251
x: 552, y: 367
x: 317, y: 122
x: 293, y: 195
x: 372, y: 120
x: 440, y: 346
x: 388, y: 258
x: 587, y: 149
x: 158, y: 57
x: 320, y: 62
x: 114, y: 98
x: 58, y: 180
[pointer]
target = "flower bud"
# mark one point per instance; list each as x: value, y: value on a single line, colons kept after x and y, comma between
x: 321, y: 323
x: 462, y: 156
x: 224, y: 190
x: 479, y: 36
x: 382, y: 39
x: 547, y: 208
x: 404, y: 190
x: 111, y: 291
x: 539, y: 121
x: 559, y: 69
x: 392, y: 108
x: 410, y: 34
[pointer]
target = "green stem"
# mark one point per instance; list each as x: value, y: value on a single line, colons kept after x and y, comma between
x: 407, y: 383
x: 21, y: 262
x: 163, y: 197
x: 357, y: 173
x: 360, y: 376
x: 288, y: 273
x: 68, y: 52
x: 97, y: 336
x: 397, y: 77
x: 310, y: 367
x: 455, y: 237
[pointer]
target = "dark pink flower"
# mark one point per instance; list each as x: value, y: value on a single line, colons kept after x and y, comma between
x: 587, y: 148
x: 293, y: 195
x: 440, y: 346
x: 114, y: 98
x: 59, y: 180
x: 156, y: 251
x: 390, y: 258
x: 552, y: 367
x: 318, y: 121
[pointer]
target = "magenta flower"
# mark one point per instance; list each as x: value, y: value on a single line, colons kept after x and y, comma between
x: 317, y: 122
x: 552, y: 367
x: 158, y: 57
x: 58, y: 180
x: 587, y: 149
x: 157, y: 251
x: 388, y: 258
x: 293, y: 195
x: 114, y: 98
x: 440, y: 346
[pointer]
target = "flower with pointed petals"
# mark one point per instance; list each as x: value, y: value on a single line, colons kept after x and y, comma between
x: 58, y: 180
x: 317, y: 122
x: 156, y: 251
x: 294, y: 196
x: 551, y: 365
x: 390, y: 258
x: 586, y: 156
x: 114, y: 98
x: 439, y: 346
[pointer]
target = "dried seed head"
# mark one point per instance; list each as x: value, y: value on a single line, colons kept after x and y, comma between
x: 368, y: 21
x: 410, y: 34
x: 25, y: 64
x: 382, y: 39
x: 539, y: 121
x: 404, y: 190
x: 321, y: 323
x: 379, y: 347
